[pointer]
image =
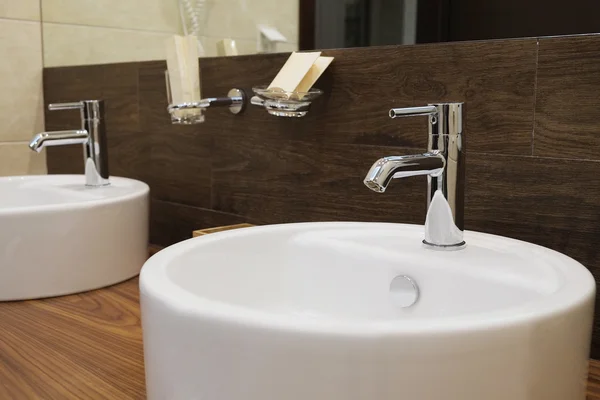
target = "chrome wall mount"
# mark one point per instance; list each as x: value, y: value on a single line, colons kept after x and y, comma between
x: 444, y: 165
x: 193, y: 112
x: 92, y: 135
x: 284, y: 104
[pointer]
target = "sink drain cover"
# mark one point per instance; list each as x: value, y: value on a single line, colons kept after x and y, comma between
x: 404, y: 291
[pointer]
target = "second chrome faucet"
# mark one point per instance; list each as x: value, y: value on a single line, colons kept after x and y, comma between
x: 92, y: 135
x: 444, y: 165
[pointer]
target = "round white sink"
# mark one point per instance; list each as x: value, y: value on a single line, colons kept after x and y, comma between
x: 58, y: 236
x: 348, y: 311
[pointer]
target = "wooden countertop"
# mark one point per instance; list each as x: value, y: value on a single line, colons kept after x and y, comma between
x: 83, y: 346
x: 88, y: 346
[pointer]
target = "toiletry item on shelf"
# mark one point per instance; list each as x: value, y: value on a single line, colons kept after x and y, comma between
x: 184, y: 73
x: 291, y: 92
x: 284, y: 104
x: 193, y: 15
x: 186, y: 106
x: 226, y: 47
x: 294, y: 71
x: 314, y: 73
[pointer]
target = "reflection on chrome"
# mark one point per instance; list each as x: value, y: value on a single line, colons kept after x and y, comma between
x: 444, y: 165
x: 92, y: 135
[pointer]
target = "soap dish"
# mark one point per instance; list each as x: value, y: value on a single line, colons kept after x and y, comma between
x: 284, y: 104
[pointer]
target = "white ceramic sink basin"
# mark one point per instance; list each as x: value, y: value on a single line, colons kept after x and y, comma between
x: 309, y: 312
x: 58, y: 236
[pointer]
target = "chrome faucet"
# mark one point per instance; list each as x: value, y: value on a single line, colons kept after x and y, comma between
x: 444, y: 165
x: 92, y: 134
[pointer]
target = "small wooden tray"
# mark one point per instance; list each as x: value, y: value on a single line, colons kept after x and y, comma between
x: 216, y: 229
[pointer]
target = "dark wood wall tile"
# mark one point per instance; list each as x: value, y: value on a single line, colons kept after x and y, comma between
x: 65, y: 160
x: 120, y: 93
x: 117, y: 84
x: 178, y: 154
x: 261, y: 169
x: 287, y: 181
x: 550, y: 202
x: 567, y: 113
x: 153, y: 99
x: 129, y: 156
x: 68, y: 84
x: 171, y: 222
x: 176, y: 160
x: 495, y: 79
x: 540, y: 200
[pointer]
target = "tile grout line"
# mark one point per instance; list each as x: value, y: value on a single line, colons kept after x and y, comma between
x: 200, y: 208
x: 247, y: 39
x: 43, y: 56
x: 11, y: 19
x: 538, y: 157
x: 211, y: 199
x: 115, y: 28
x: 535, y: 88
x: 41, y: 9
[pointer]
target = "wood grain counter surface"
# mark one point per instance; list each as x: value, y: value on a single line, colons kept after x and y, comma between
x: 88, y: 346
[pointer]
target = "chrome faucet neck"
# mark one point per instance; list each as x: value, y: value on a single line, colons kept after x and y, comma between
x: 444, y: 165
x: 92, y: 134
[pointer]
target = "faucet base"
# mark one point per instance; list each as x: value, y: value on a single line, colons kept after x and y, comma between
x: 445, y: 247
x: 97, y: 186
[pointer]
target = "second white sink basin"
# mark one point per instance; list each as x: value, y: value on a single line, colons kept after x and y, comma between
x: 58, y: 236
x: 322, y: 311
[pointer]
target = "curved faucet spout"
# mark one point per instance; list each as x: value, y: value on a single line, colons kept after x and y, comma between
x: 444, y: 165
x: 385, y: 169
x: 58, y: 138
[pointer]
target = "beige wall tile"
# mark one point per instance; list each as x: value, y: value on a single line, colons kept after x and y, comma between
x: 151, y: 15
x: 18, y: 159
x: 243, y: 46
x: 21, y: 98
x: 284, y: 15
x: 20, y: 9
x: 81, y: 45
x: 238, y: 18
x: 286, y: 47
x: 246, y: 46
x: 229, y: 19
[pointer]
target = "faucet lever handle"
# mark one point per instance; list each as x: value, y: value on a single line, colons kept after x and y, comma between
x: 77, y: 105
x: 413, y: 111
x: 89, y: 109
